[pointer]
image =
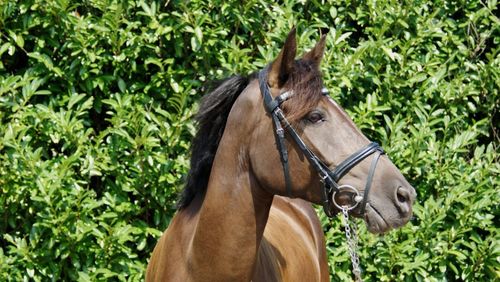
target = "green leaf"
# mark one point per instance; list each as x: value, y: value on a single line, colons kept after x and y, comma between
x: 121, y: 85
x: 342, y: 37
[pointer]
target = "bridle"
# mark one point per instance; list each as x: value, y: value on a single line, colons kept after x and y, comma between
x: 329, y: 178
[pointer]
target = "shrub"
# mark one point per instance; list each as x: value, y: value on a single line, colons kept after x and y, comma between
x: 96, y: 100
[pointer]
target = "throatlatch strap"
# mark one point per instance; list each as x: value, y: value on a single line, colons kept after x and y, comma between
x: 280, y: 141
x: 272, y: 107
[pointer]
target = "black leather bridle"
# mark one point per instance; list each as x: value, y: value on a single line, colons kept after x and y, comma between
x: 329, y: 177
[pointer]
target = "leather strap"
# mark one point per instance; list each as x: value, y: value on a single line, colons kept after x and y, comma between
x: 280, y: 141
x: 269, y: 103
x: 369, y: 180
x: 345, y: 166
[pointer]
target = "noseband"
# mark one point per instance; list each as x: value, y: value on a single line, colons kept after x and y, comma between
x: 329, y: 178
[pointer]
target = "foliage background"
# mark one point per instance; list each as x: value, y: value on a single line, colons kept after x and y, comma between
x: 96, y: 100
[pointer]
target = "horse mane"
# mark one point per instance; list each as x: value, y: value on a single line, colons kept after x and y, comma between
x: 211, y: 121
x: 214, y: 110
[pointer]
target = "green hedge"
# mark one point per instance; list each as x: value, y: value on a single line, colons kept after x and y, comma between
x: 96, y: 100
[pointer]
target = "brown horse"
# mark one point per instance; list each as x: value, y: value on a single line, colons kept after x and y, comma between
x: 246, y: 212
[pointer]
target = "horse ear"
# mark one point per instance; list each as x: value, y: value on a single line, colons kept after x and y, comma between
x: 283, y: 65
x: 316, y: 54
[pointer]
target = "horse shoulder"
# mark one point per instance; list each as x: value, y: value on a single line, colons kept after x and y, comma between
x: 293, y: 247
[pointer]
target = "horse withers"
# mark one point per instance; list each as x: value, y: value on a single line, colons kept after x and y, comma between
x: 267, y: 147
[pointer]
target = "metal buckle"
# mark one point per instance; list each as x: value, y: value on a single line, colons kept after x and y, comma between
x: 357, y: 198
x: 281, y: 132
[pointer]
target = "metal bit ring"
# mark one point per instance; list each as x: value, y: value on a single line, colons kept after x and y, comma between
x: 357, y: 198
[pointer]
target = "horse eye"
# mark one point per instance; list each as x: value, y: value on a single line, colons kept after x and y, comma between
x: 315, y: 117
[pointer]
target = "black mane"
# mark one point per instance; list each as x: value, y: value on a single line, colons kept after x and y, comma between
x: 211, y: 121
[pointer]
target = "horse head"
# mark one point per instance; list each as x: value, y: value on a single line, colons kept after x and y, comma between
x: 316, y: 170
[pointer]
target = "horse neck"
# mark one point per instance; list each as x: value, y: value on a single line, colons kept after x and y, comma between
x: 232, y: 218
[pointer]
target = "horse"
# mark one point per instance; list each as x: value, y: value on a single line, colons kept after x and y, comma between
x: 268, y: 146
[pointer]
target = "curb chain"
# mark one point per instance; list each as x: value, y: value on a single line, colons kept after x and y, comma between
x: 352, y: 243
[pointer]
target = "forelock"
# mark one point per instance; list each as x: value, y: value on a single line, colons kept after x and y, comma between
x: 306, y: 83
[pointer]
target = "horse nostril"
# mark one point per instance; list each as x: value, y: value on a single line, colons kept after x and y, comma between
x: 403, y: 197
